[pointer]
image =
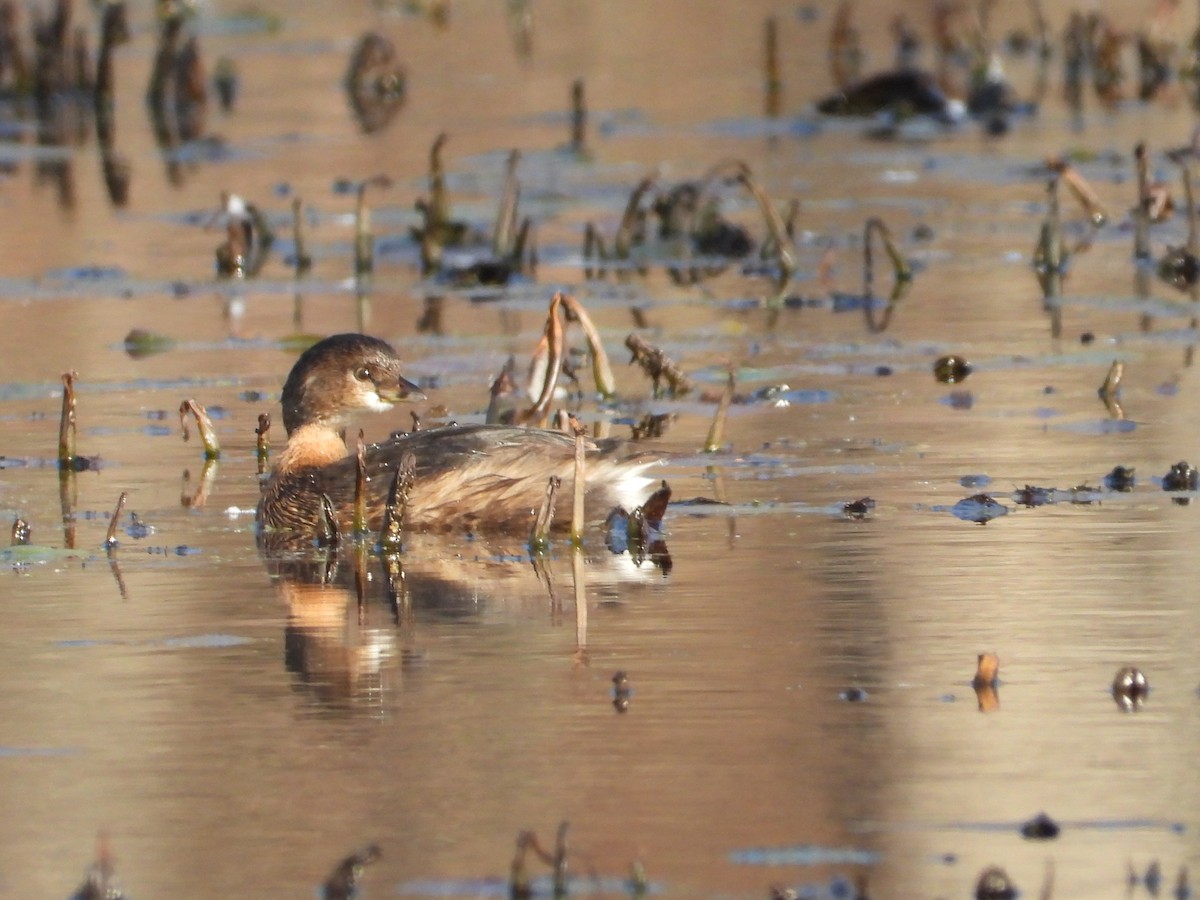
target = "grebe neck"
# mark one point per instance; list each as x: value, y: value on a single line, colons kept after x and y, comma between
x: 311, y: 446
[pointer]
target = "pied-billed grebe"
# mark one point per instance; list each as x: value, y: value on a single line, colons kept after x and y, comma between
x: 468, y: 477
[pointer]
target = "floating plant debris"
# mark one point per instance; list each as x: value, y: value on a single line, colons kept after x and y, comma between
x: 1181, y: 477
x: 951, y: 369
x: 376, y: 83
x: 986, y: 682
x: 853, y: 695
x: 140, y: 344
x: 1130, y: 688
x: 980, y: 508
x: 1040, y: 828
x: 99, y: 882
x: 858, y: 509
x: 342, y: 883
x: 622, y: 691
x: 658, y: 366
x: 994, y: 884
x: 987, y: 670
x: 1121, y: 479
x: 903, y: 93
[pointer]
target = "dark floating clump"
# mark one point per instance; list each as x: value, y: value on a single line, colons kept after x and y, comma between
x: 1030, y: 496
x: 980, y: 508
x: 987, y: 681
x: 621, y: 692
x: 951, y: 369
x: 342, y: 883
x: 99, y: 882
x: 994, y: 884
x: 1130, y: 688
x: 658, y: 366
x: 140, y: 343
x: 904, y: 93
x: 1040, y: 828
x: 853, y: 695
x: 21, y: 533
x: 376, y: 84
x: 858, y: 509
x: 1120, y: 479
x: 1181, y: 477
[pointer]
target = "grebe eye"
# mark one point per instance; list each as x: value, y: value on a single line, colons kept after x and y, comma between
x: 362, y: 373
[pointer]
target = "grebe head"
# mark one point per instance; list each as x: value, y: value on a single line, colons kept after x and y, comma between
x: 342, y: 375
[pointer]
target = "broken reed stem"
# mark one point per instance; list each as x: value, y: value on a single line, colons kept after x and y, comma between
x: 560, y: 860
x: 1083, y: 192
x: 785, y: 251
x: 504, y: 385
x: 506, y: 214
x: 900, y: 267
x: 303, y: 259
x: 263, y: 441
x: 1193, y: 241
x: 439, y: 203
x: 66, y: 422
x: 539, y: 539
x: 1141, y: 219
x: 110, y: 539
x: 578, y: 116
x: 208, y: 435
x: 395, y: 514
x: 593, y: 247
x: 360, y: 485
x: 773, y: 80
x: 1048, y: 258
x: 551, y: 346
x: 601, y: 370
x: 716, y: 433
x: 580, y: 481
x: 364, y: 239
x: 623, y: 241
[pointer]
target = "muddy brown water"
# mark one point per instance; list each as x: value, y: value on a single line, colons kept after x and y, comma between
x: 235, y: 735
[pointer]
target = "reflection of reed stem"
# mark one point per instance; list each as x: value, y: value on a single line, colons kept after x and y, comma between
x: 579, y: 576
x: 391, y: 538
x: 360, y: 486
x: 539, y: 540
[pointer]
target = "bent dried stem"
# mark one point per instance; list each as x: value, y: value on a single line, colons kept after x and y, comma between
x: 716, y: 432
x: 601, y: 369
x: 110, y: 539
x: 204, y: 425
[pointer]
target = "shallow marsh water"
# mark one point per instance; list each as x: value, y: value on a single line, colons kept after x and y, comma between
x: 236, y: 735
